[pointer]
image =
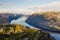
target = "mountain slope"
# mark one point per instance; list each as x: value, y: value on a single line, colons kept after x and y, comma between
x: 20, y: 32
x: 48, y: 21
x: 6, y: 18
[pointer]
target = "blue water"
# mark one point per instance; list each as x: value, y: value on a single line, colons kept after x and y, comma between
x: 57, y: 36
x: 22, y: 22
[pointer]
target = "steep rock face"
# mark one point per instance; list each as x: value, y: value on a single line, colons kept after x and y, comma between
x: 20, y: 32
x: 6, y: 18
x: 47, y: 21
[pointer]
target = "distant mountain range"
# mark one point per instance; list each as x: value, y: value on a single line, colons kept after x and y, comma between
x: 6, y: 18
x: 49, y: 21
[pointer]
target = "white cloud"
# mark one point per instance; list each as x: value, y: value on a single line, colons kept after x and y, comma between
x: 53, y: 6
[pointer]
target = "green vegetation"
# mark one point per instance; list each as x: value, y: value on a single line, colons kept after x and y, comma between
x: 19, y: 32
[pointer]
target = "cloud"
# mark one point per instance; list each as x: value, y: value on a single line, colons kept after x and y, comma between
x: 5, y: 5
x: 53, y: 6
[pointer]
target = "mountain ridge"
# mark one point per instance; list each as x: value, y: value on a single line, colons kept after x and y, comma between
x: 8, y: 17
x: 47, y: 21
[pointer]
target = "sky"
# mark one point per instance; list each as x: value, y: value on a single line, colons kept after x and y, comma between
x: 20, y: 5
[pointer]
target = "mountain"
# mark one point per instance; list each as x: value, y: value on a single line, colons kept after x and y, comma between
x: 47, y: 21
x: 20, y: 32
x: 6, y: 18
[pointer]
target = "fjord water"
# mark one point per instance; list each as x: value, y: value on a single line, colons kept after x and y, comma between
x: 22, y: 22
x: 57, y: 36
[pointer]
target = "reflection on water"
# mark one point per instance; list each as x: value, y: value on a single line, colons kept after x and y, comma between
x: 22, y: 22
